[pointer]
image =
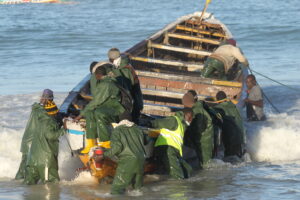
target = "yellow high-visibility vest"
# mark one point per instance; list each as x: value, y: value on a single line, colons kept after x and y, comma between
x: 172, y: 138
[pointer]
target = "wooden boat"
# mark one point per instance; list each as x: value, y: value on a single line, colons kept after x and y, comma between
x: 168, y: 64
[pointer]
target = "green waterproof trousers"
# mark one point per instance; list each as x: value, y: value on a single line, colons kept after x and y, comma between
x: 98, y: 122
x: 130, y: 171
x: 21, y: 172
x: 172, y: 162
x: 213, y: 68
x: 36, y: 173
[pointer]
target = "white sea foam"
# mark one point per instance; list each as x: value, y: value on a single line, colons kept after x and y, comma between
x: 277, y: 139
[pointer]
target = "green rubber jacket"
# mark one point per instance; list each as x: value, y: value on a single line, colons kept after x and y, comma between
x: 200, y: 134
x: 127, y: 144
x: 106, y: 94
x: 44, y: 147
x: 233, y: 129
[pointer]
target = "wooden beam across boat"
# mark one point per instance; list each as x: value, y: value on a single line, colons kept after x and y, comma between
x: 197, y: 22
x: 191, y: 79
x: 193, y: 38
x: 184, y: 28
x: 190, y: 66
x: 165, y: 93
x: 178, y: 49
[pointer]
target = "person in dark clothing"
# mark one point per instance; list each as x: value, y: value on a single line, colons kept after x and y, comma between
x: 128, y: 79
x: 200, y: 134
x: 232, y: 127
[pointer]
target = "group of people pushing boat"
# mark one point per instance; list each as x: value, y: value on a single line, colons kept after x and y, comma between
x: 117, y: 99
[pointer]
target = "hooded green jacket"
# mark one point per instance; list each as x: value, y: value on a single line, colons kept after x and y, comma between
x: 107, y: 94
x: 30, y: 130
x: 127, y: 142
x: 44, y: 147
x: 232, y: 127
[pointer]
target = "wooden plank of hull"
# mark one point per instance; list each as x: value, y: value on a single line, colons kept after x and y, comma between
x: 178, y: 49
x: 165, y: 93
x: 193, y: 38
x: 192, y: 79
x: 184, y: 86
x: 184, y: 28
x: 190, y: 66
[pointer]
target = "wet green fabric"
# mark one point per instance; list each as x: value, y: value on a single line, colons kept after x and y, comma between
x: 200, y: 134
x: 213, y: 68
x: 29, y: 133
x: 169, y: 122
x: 93, y: 84
x: 173, y: 164
x: 44, y: 148
x: 168, y: 156
x: 127, y: 144
x: 128, y: 79
x: 103, y: 110
x: 232, y: 128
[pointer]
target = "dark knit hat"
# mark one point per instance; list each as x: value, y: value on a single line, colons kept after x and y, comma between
x: 47, y: 94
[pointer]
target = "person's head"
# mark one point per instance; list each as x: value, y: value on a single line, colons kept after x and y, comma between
x: 221, y: 95
x: 250, y: 81
x: 188, y: 100
x: 101, y: 71
x: 92, y: 65
x: 46, y: 96
x: 231, y: 41
x: 113, y: 54
x: 194, y: 93
x: 188, y: 115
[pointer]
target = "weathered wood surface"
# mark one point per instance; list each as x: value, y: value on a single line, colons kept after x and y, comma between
x: 194, y: 30
x: 190, y: 66
x: 178, y: 49
x: 193, y: 38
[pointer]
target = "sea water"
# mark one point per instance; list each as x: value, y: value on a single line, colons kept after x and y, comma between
x: 52, y: 45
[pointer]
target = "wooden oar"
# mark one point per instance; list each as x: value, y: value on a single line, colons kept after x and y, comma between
x: 204, y: 9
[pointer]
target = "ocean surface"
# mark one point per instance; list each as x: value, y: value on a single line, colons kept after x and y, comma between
x: 52, y: 45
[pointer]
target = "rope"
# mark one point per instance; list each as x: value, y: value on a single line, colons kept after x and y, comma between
x: 270, y: 102
x: 292, y: 88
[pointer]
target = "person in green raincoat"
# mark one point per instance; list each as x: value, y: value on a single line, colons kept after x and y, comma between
x: 232, y: 127
x: 168, y: 146
x: 128, y: 79
x: 127, y: 145
x: 41, y: 162
x: 104, y: 109
x: 200, y: 134
x: 93, y: 81
x: 30, y: 130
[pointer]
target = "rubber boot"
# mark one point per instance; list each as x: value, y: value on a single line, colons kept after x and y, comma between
x: 89, y: 144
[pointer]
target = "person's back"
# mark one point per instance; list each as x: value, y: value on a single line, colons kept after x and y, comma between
x: 127, y: 144
x: 233, y: 130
